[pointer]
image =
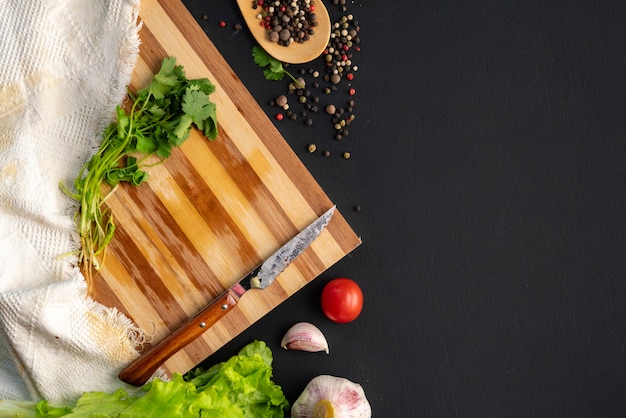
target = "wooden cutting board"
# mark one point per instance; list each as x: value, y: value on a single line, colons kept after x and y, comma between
x: 214, y: 210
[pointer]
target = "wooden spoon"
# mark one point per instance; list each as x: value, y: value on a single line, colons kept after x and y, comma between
x: 294, y: 53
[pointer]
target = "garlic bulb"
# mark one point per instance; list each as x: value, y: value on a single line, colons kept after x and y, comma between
x: 305, y: 337
x: 331, y: 397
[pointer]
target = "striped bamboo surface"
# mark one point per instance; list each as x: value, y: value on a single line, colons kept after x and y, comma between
x: 214, y: 210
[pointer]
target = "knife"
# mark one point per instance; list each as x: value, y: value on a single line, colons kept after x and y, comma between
x: 143, y: 368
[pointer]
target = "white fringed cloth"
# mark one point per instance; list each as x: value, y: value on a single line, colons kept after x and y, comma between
x: 64, y: 66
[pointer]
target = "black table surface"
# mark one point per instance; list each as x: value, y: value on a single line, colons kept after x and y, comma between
x: 488, y: 160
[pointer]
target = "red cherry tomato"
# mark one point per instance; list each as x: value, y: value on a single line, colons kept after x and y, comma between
x: 342, y: 300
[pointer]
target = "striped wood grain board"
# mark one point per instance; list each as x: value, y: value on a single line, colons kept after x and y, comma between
x: 213, y: 210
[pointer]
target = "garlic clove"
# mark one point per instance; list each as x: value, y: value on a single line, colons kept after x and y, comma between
x: 329, y: 396
x: 304, y: 336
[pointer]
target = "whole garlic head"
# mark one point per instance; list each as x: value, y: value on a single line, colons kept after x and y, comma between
x: 331, y: 397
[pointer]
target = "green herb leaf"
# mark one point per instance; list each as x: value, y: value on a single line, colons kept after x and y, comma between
x: 202, y: 84
x: 197, y: 105
x: 144, y: 144
x: 181, y: 132
x: 275, y: 70
x: 260, y: 57
x: 210, y: 127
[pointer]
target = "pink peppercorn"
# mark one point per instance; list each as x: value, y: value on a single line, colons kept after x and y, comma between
x: 352, y: 92
x: 279, y: 116
x: 222, y: 24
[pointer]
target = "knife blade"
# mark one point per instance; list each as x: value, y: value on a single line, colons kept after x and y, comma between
x: 140, y: 370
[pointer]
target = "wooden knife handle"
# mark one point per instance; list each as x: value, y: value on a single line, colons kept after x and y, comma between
x: 141, y: 369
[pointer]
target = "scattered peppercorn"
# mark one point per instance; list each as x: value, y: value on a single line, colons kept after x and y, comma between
x: 357, y: 208
x: 326, y: 153
x: 312, y: 148
x: 281, y: 100
x: 279, y: 116
x: 335, y: 75
x: 222, y: 24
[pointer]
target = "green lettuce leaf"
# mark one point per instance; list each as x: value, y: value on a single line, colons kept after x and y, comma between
x: 244, y: 381
x: 240, y: 387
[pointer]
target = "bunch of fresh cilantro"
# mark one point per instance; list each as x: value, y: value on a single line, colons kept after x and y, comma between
x: 160, y: 118
x: 240, y: 387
